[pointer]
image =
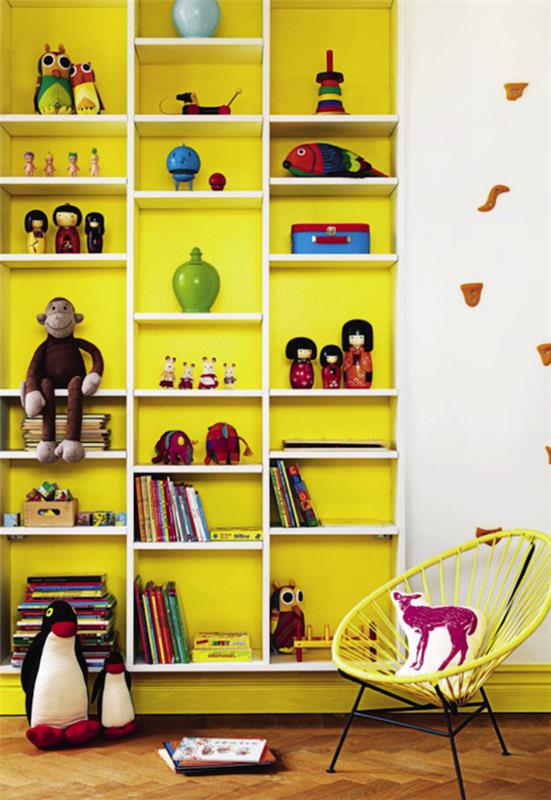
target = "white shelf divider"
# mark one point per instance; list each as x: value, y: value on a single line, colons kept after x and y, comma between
x: 316, y: 125
x: 333, y: 394
x: 198, y: 469
x: 335, y: 453
x: 333, y: 187
x: 94, y: 455
x: 100, y: 394
x: 212, y: 546
x: 306, y: 261
x: 190, y: 394
x: 63, y: 186
x: 181, y: 317
x: 51, y: 125
x: 190, y: 125
x: 76, y: 530
x: 172, y: 50
x: 56, y: 261
x: 348, y: 529
x: 206, y: 200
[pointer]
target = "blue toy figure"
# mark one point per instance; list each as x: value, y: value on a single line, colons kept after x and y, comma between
x: 183, y: 163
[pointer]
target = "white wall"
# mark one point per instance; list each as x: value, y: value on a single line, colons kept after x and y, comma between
x: 478, y: 396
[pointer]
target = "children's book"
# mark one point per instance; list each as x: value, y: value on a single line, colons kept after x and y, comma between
x: 204, y: 767
x: 237, y: 751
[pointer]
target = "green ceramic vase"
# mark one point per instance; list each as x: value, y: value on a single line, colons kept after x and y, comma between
x: 196, y: 284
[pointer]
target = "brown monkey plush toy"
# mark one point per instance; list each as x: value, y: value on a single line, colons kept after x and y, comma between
x: 58, y: 364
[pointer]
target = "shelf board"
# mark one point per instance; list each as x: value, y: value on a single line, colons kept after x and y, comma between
x: 50, y: 125
x: 317, y: 125
x: 198, y: 469
x: 335, y: 453
x: 255, y: 665
x: 71, y: 261
x: 101, y: 393
x: 212, y: 546
x: 332, y: 394
x: 181, y: 317
x: 173, y: 50
x: 343, y: 261
x: 77, y: 530
x: 333, y: 187
x: 338, y: 530
x: 20, y: 455
x: 7, y: 669
x: 288, y: 663
x: 184, y: 394
x: 185, y: 199
x: 205, y: 125
x: 335, y: 4
x: 63, y: 186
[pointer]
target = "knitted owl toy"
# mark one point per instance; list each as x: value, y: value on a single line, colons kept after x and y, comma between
x: 53, y: 93
x: 85, y: 92
x: 286, y: 616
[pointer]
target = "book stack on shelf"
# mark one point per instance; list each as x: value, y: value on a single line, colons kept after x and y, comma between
x: 193, y: 755
x: 169, y: 512
x: 92, y: 603
x: 161, y: 626
x: 221, y: 646
x: 95, y: 434
x: 293, y: 501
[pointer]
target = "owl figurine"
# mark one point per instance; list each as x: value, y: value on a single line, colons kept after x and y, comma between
x: 286, y: 616
x: 86, y: 95
x: 53, y: 93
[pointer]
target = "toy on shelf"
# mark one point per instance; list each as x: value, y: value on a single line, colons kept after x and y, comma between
x: 514, y: 90
x: 217, y: 182
x: 67, y: 217
x: 229, y: 376
x: 183, y: 163
x: 168, y: 374
x: 357, y: 344
x: 94, y: 228
x: 222, y: 445
x: 493, y: 194
x: 472, y: 293
x: 49, y: 169
x: 36, y: 226
x: 318, y: 160
x: 53, y: 93
x: 322, y: 239
x: 196, y: 284
x: 329, y: 93
x: 331, y: 363
x: 545, y: 353
x: 73, y: 168
x: 30, y: 166
x: 301, y: 351
x: 114, y: 700
x: 174, y: 447
x: 48, y: 506
x: 186, y: 381
x: 85, y: 92
x: 94, y: 163
x: 198, y: 18
x: 58, y: 364
x: 208, y: 379
x: 191, y: 104
x: 286, y: 616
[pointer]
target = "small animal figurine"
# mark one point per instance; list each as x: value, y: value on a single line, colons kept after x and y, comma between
x: 286, y: 616
x: 328, y: 161
x: 229, y: 376
x: 183, y: 163
x: 73, y: 167
x: 174, y: 447
x: 114, y: 700
x: 217, y: 181
x: 191, y: 104
x: 67, y: 218
x: 94, y: 163
x: 168, y: 374
x: 53, y: 677
x: 94, y: 228
x: 53, y: 93
x: 330, y: 92
x: 36, y: 225
x: 357, y: 344
x: 208, y: 379
x: 30, y: 166
x: 302, y: 351
x: 49, y: 169
x: 222, y: 445
x: 331, y: 362
x: 186, y: 381
x: 86, y: 96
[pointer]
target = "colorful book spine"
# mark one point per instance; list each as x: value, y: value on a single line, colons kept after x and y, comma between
x: 195, y: 536
x: 149, y: 537
x: 141, y: 620
x: 188, y: 536
x: 202, y: 516
x: 163, y: 621
x: 156, y: 622
x: 150, y: 628
x: 176, y: 646
x: 302, y: 495
x: 295, y: 522
x: 278, y: 497
x: 139, y: 507
x: 178, y: 617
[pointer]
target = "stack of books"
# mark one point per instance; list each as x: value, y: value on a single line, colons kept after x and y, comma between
x: 92, y: 603
x: 221, y: 646
x: 292, y: 499
x: 195, y: 756
x: 169, y: 512
x: 160, y: 623
x: 95, y: 434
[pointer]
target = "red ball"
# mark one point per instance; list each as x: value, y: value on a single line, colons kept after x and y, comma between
x: 217, y: 181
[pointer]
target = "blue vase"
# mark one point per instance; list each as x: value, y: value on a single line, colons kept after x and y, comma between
x: 198, y: 18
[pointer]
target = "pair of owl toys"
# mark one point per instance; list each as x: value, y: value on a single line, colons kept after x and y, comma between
x: 67, y: 218
x: 357, y: 343
x: 63, y: 87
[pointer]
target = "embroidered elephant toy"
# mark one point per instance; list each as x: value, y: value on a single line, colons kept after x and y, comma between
x: 222, y: 445
x: 174, y: 447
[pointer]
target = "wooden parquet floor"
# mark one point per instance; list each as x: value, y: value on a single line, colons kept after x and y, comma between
x: 377, y: 763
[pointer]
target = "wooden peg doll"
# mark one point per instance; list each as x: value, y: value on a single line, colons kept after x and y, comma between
x: 30, y: 166
x: 36, y: 225
x: 229, y: 376
x: 67, y: 218
x: 94, y: 228
x: 73, y: 167
x: 302, y: 351
x: 49, y: 169
x: 167, y: 375
x: 331, y: 361
x: 357, y: 343
x: 186, y: 381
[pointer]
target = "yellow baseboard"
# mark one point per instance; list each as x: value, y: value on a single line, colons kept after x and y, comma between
x: 515, y: 687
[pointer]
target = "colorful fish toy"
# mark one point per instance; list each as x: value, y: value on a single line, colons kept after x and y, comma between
x: 316, y: 160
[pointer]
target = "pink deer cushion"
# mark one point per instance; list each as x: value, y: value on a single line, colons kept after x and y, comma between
x: 438, y: 636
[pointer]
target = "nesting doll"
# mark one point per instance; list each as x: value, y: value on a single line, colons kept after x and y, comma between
x: 357, y: 343
x: 36, y: 225
x: 301, y: 351
x: 331, y: 362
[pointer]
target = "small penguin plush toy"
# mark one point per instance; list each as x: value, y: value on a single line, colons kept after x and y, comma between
x: 115, y: 707
x: 54, y: 676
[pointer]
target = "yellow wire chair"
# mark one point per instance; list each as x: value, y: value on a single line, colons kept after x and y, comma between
x: 505, y: 575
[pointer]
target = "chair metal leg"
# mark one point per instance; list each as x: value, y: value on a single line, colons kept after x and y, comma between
x: 451, y: 737
x: 346, y: 728
x: 504, y: 751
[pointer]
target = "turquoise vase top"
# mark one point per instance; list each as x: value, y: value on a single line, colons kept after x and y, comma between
x: 197, y: 18
x: 196, y: 284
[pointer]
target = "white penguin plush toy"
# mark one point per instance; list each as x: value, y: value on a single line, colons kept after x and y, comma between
x: 115, y: 707
x: 53, y: 677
